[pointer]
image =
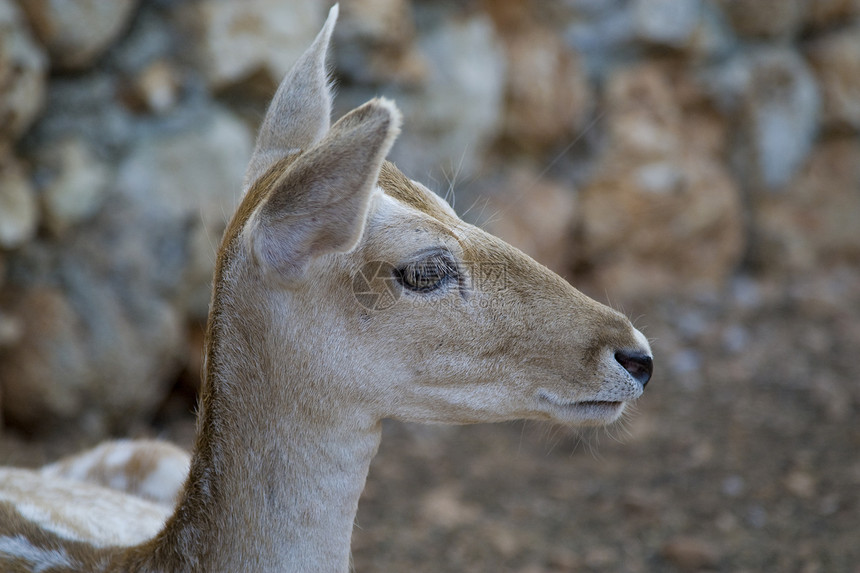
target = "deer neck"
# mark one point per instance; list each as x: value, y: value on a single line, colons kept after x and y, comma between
x: 278, y: 470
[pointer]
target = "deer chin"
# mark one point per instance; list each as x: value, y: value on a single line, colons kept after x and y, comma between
x: 579, y: 412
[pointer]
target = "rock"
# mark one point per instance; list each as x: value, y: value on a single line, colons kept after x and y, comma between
x: 548, y: 98
x: 835, y: 59
x: 85, y: 360
x: 643, y: 114
x: 725, y: 83
x: 233, y: 41
x: 770, y: 19
x: 155, y: 89
x: 603, y: 35
x: 88, y: 107
x: 19, y: 213
x: 713, y: 38
x: 377, y: 43
x: 77, y: 32
x: 690, y: 553
x: 667, y: 22
x: 772, y: 95
x: 454, y: 118
x: 23, y: 73
x: 103, y: 352
x: 152, y: 37
x: 49, y: 341
x: 812, y: 224
x: 782, y: 106
x: 186, y: 185
x: 534, y: 215
x: 825, y: 13
x: 800, y: 483
x: 662, y: 214
x: 73, y: 182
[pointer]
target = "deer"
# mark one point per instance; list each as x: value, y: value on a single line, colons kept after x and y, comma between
x: 344, y: 293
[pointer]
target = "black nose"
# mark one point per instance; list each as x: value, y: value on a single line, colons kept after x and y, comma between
x: 640, y: 366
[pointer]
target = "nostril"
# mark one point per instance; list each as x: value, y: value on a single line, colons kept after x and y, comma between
x: 640, y: 366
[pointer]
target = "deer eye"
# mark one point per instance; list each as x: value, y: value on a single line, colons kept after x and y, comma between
x: 428, y: 274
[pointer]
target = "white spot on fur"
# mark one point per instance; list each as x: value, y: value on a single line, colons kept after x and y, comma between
x: 128, y: 466
x: 39, y: 559
x: 81, y: 511
x: 119, y: 454
x: 165, y: 482
x: 42, y: 515
x: 74, y: 468
x: 118, y: 481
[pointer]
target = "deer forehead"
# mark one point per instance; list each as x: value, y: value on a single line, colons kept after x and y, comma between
x: 406, y: 217
x: 420, y: 217
x: 412, y: 193
x: 396, y: 232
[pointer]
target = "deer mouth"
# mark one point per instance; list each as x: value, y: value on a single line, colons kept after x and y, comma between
x: 581, y: 411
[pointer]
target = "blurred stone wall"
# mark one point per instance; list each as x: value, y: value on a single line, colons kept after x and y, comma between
x: 642, y: 148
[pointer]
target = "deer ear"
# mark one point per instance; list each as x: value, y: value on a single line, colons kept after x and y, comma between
x: 299, y: 115
x: 319, y: 204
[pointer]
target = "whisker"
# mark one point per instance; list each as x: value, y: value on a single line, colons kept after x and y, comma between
x: 209, y: 238
x: 452, y: 180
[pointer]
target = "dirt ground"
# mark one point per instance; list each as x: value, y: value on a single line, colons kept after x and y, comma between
x: 741, y: 456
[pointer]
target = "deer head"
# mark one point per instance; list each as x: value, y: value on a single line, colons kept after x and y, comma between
x: 373, y: 296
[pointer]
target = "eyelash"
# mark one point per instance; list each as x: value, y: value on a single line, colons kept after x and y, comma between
x: 428, y: 274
